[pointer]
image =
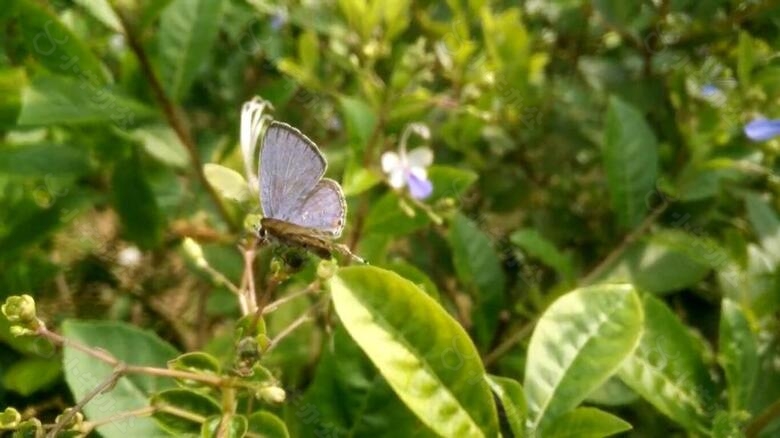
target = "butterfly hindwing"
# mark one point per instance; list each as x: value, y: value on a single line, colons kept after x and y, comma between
x: 323, y: 209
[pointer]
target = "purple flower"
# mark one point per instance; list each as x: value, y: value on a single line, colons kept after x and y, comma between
x: 409, y: 169
x: 762, y: 129
x: 709, y: 90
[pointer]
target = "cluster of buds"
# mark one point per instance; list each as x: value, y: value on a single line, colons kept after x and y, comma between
x: 20, y: 312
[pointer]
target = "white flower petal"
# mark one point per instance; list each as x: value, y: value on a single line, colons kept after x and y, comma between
x: 390, y: 161
x: 397, y: 178
x: 420, y: 157
x: 419, y: 172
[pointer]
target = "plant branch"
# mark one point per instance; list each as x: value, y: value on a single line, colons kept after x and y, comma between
x: 140, y: 412
x: 630, y: 238
x: 508, y: 343
x: 763, y: 419
x: 173, y: 116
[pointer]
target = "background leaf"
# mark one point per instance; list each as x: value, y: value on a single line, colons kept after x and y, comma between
x: 130, y: 345
x: 136, y: 204
x: 586, y: 423
x: 630, y: 160
x: 188, y: 29
x: 738, y: 355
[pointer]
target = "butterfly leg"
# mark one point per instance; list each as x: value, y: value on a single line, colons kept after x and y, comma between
x: 344, y: 250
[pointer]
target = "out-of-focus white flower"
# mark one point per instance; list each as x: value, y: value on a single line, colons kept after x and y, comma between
x: 129, y: 257
x: 253, y: 119
x: 410, y: 169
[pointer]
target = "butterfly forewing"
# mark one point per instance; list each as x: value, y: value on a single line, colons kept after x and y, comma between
x: 290, y: 168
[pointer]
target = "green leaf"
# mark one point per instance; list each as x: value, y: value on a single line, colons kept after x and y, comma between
x: 267, y: 425
x: 670, y: 260
x: 612, y: 393
x: 136, y: 204
x: 52, y: 100
x: 12, y: 82
x: 103, y: 12
x: 412, y: 273
x: 195, y: 362
x: 388, y: 217
x: 178, y: 410
x: 130, y: 345
x: 360, y: 120
x: 510, y: 394
x: 188, y: 30
x: 162, y: 143
x: 765, y: 224
x: 52, y: 44
x: 358, y: 179
x: 668, y: 371
x: 744, y: 59
x: 479, y: 269
x: 425, y: 356
x: 630, y: 156
x: 617, y: 12
x: 30, y: 375
x: 578, y: 343
x: 537, y: 246
x: 229, y: 183
x: 237, y: 427
x: 585, y: 423
x: 42, y: 160
x: 348, y: 397
x: 737, y: 354
x: 449, y: 182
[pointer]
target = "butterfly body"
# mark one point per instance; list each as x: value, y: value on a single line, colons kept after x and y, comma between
x: 290, y: 234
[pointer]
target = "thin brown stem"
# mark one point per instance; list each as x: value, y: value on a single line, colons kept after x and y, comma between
x: 105, y: 385
x: 513, y: 339
x: 65, y: 342
x: 89, y: 426
x: 630, y: 238
x: 289, y: 329
x: 763, y: 419
x: 173, y: 116
x: 276, y: 304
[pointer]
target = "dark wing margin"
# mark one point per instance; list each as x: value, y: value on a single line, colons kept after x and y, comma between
x: 291, y: 165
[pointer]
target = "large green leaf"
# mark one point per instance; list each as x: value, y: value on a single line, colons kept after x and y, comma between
x: 352, y: 398
x: 192, y: 404
x: 136, y: 204
x: 50, y: 42
x: 188, y: 29
x: 585, y: 423
x: 50, y: 100
x: 738, y: 354
x: 479, y: 269
x: 630, y: 160
x: 578, y: 343
x: 422, y: 352
x: 668, y: 371
x: 129, y: 344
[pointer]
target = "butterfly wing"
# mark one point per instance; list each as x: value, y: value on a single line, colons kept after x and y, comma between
x: 323, y: 209
x: 290, y: 168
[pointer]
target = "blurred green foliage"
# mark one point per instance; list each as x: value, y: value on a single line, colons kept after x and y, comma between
x: 577, y: 144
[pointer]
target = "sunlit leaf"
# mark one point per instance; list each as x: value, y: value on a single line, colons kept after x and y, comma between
x: 423, y: 353
x: 585, y: 423
x: 578, y: 343
x: 738, y: 354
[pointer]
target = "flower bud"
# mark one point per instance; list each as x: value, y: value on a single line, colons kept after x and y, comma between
x: 272, y: 394
x: 10, y: 419
x: 194, y: 252
x: 20, y: 310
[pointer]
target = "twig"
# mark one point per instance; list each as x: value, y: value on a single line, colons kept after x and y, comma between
x: 106, y: 384
x: 89, y: 426
x: 173, y: 116
x: 508, y: 343
x: 620, y: 249
x: 274, y: 305
x: 763, y: 419
x: 290, y: 328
